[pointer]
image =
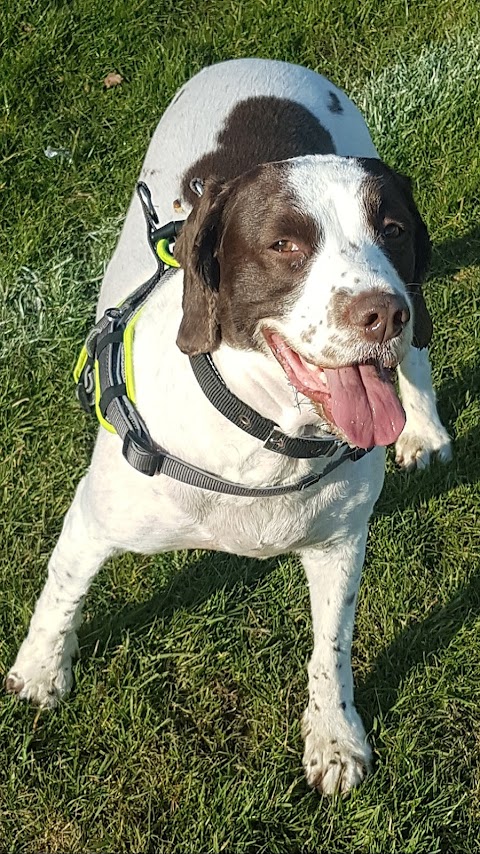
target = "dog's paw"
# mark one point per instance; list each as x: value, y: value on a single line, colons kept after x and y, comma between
x: 42, y: 680
x: 335, y: 761
x: 415, y: 446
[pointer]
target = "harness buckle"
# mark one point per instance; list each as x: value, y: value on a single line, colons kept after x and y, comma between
x: 276, y: 441
x: 141, y: 454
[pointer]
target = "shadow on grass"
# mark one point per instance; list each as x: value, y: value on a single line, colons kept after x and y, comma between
x: 455, y: 254
x: 378, y: 691
x: 186, y: 589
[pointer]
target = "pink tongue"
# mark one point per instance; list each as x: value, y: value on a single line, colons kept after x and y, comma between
x: 364, y: 405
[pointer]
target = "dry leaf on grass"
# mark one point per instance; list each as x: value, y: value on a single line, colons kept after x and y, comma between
x: 112, y: 79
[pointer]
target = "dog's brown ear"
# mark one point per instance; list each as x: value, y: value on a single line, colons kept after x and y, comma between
x: 422, y: 322
x: 196, y: 251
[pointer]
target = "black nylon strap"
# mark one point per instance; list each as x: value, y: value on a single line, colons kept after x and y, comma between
x: 143, y: 457
x: 149, y: 211
x: 110, y: 338
x: 110, y: 394
x: 186, y: 473
x: 243, y: 416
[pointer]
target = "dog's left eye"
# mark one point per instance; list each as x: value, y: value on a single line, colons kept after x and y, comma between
x: 392, y: 230
x: 285, y: 246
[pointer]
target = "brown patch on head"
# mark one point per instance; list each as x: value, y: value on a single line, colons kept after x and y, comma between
x: 234, y: 278
x: 388, y: 198
x: 256, y: 281
x: 260, y: 130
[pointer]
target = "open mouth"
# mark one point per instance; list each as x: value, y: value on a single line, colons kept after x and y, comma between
x: 359, y: 400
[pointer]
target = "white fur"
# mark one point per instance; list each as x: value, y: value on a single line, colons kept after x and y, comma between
x: 423, y: 433
x: 117, y: 509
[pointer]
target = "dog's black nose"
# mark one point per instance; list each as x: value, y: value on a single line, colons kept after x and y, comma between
x: 380, y: 316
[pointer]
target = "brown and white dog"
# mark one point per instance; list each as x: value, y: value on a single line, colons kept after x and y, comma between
x: 302, y: 261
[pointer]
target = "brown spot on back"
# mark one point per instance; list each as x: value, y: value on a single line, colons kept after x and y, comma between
x: 334, y: 104
x: 178, y: 96
x: 260, y: 130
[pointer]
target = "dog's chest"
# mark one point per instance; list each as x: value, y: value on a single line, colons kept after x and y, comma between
x: 262, y: 527
x: 265, y: 527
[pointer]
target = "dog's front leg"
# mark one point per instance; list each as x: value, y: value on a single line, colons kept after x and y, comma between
x: 337, y: 755
x: 424, y: 433
x: 43, y: 669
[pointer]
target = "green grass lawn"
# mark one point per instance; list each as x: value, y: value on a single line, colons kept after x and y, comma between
x: 182, y: 733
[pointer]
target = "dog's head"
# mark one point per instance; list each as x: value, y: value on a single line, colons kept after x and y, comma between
x: 319, y: 261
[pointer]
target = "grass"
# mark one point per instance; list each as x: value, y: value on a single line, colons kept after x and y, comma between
x: 183, y: 733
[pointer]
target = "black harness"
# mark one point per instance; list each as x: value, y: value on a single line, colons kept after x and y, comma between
x: 104, y: 377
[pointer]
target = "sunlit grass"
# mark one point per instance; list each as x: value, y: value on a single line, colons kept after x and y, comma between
x: 182, y: 733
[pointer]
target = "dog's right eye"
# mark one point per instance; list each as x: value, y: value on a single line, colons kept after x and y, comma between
x: 285, y: 246
x: 392, y: 231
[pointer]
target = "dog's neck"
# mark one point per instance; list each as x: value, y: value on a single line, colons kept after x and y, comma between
x: 258, y: 380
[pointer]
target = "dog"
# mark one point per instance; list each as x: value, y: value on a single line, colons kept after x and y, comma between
x: 302, y: 256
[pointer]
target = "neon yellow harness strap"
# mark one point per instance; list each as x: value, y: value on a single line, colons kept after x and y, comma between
x: 128, y: 353
x: 162, y: 248
x: 81, y: 362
